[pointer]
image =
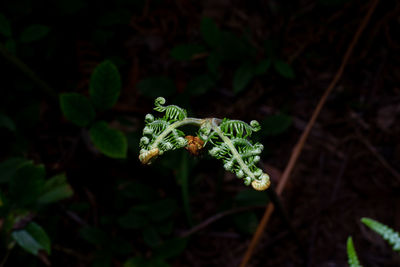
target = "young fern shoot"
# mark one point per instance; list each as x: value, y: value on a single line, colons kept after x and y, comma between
x: 229, y: 141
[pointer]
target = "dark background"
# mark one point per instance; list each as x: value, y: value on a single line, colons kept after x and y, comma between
x: 348, y: 168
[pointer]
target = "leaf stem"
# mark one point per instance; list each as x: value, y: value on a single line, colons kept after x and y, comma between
x: 192, y: 121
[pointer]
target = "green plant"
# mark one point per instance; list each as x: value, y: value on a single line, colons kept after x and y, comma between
x: 24, y: 193
x: 229, y: 141
x: 352, y: 254
x: 384, y: 231
x: 105, y: 87
x: 387, y: 233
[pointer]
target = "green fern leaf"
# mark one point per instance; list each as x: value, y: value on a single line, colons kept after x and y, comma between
x: 387, y: 233
x: 352, y: 254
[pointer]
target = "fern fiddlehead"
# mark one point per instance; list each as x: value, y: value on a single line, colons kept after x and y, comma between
x: 229, y: 140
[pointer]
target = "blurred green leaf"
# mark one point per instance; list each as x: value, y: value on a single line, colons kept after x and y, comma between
x: 275, y: 124
x: 155, y: 86
x: 55, y: 189
x: 165, y: 227
x: 5, y: 28
x: 234, y: 48
x: 120, y: 246
x: 284, y: 69
x: 10, y: 166
x: 70, y: 6
x: 77, y: 108
x: 186, y: 51
x: 109, y: 141
x: 137, y: 190
x: 161, y: 209
x: 246, y: 222
x: 11, y: 46
x: 243, y: 75
x: 151, y: 237
x: 133, y: 220
x: 27, y: 183
x: 171, y: 248
x: 210, y: 32
x: 200, y: 85
x: 105, y: 85
x: 33, y: 33
x: 263, y: 66
x: 213, y: 62
x: 7, y: 122
x: 251, y: 197
x: 94, y: 236
x: 32, y: 238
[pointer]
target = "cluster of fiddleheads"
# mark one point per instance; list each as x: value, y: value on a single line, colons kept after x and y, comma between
x: 229, y: 141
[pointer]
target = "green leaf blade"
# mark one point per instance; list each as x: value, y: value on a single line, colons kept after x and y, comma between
x: 55, y: 189
x: 105, y: 85
x: 26, y: 184
x: 210, y: 32
x: 5, y: 27
x: 284, y: 69
x: 109, y: 141
x: 34, y: 33
x: 33, y: 239
x: 77, y: 108
x: 10, y: 166
x: 243, y: 75
x: 186, y: 52
x: 352, y: 254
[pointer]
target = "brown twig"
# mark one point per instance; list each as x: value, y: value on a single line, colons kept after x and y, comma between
x: 299, y: 146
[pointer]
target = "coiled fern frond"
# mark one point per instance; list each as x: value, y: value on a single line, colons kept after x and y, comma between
x: 229, y: 141
x: 352, y: 254
x: 387, y: 233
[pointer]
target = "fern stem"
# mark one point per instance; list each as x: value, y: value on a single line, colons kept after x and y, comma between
x: 186, y: 121
x: 235, y: 153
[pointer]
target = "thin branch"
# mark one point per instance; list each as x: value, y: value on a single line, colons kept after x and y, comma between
x: 299, y: 146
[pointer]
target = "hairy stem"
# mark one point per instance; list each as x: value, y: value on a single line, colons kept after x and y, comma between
x: 235, y: 153
x: 186, y: 121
